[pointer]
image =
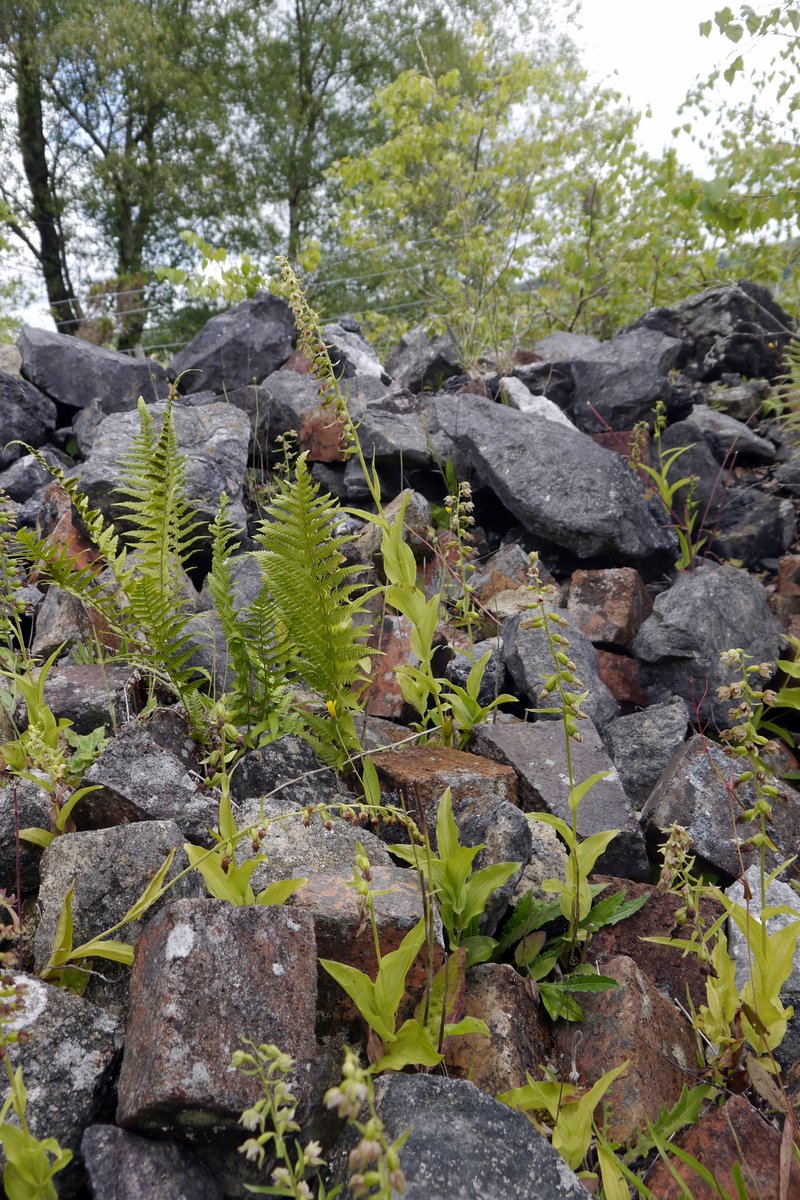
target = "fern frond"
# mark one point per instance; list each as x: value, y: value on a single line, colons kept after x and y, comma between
x: 312, y: 587
x: 56, y: 566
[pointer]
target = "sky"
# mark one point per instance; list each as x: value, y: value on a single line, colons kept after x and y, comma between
x: 650, y: 51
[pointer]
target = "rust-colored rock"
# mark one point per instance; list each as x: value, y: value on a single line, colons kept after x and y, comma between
x: 519, y: 1037
x: 207, y: 973
x: 787, y: 591
x: 633, y: 1023
x: 735, y: 1133
x: 620, y: 674
x: 331, y: 904
x: 58, y: 521
x: 609, y: 606
x: 392, y: 637
x: 321, y: 435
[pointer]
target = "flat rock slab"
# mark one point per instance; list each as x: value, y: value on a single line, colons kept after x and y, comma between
x: 558, y: 482
x: 206, y: 974
x: 237, y: 347
x: 69, y: 1066
x: 125, y: 1166
x: 631, y: 1022
x: 706, y: 611
x: 536, y: 752
x: 108, y: 870
x: 463, y: 1144
x: 75, y: 372
x: 620, y: 381
x: 695, y: 791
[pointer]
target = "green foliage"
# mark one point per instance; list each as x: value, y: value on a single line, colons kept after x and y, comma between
x: 461, y: 892
x: 375, y: 1165
x: 683, y: 519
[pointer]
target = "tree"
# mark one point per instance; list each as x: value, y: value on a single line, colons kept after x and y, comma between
x: 115, y: 129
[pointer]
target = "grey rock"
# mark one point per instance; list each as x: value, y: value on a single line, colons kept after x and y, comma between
x: 560, y: 484
x: 515, y: 394
x: 779, y: 894
x: 752, y: 526
x: 742, y: 400
x: 697, y: 790
x: 215, y: 439
x: 696, y: 458
x: 90, y: 695
x: 620, y: 382
x: 206, y: 974
x: 727, y: 436
x: 420, y: 361
x: 788, y: 475
x: 62, y: 622
x: 642, y: 744
x: 392, y: 438
x: 536, y: 752
x: 27, y: 477
x: 706, y: 611
x: 494, y: 676
x: 551, y: 379
x: 108, y: 869
x: 149, y: 772
x: 505, y: 834
x: 463, y: 1143
x: 548, y: 861
x: 287, y: 768
x: 25, y: 415
x: 365, y: 547
x: 23, y: 805
x: 237, y: 347
x: 351, y: 354
x: 125, y: 1166
x: 528, y: 660
x: 10, y: 359
x: 69, y: 1066
x: 563, y: 347
x: 74, y: 372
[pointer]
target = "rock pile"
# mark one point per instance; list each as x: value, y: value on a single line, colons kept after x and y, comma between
x: 133, y: 1075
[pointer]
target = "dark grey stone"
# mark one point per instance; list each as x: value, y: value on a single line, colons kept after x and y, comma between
x: 536, y: 751
x: 420, y: 361
x: 779, y: 894
x: 742, y: 399
x: 727, y: 437
x: 529, y: 663
x: 150, y: 771
x: 558, y: 482
x: 642, y: 744
x: 237, y: 347
x: 288, y: 768
x: 75, y: 372
x: 752, y: 526
x: 504, y: 832
x: 215, y: 439
x: 27, y: 478
x: 392, y: 437
x: 91, y: 694
x: 125, y: 1166
x: 620, y: 382
x: 706, y: 611
x: 563, y: 347
x: 25, y: 415
x: 553, y: 379
x: 276, y: 405
x: 494, y: 680
x: 34, y: 810
x: 69, y: 1067
x: 108, y: 869
x: 696, y: 458
x: 463, y: 1144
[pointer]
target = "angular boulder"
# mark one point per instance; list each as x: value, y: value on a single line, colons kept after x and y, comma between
x: 75, y: 372
x: 237, y: 347
x: 26, y: 415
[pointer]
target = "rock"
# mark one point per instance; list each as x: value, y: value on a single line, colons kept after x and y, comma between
x: 753, y: 527
x: 494, y: 676
x: 10, y: 359
x: 727, y: 437
x: 698, y: 791
x: 275, y: 406
x: 462, y: 1143
x: 779, y: 893
x: 69, y: 1065
x: 642, y: 744
x: 505, y: 835
x: 365, y: 548
x: 563, y: 347
x: 341, y: 934
x: 551, y: 379
x: 561, y: 486
x: 630, y: 1023
x: 26, y: 478
x: 548, y: 861
x: 515, y: 394
x: 391, y: 637
x: 620, y: 674
x: 706, y: 611
x: 536, y: 752
x: 609, y: 606
x: 696, y: 458
x: 23, y: 805
x: 724, y: 1137
x: 126, y: 1166
x: 420, y: 361
x: 351, y: 354
x: 237, y: 347
x: 63, y: 622
x: 214, y: 437
x: 206, y: 974
x: 529, y: 664
x: 742, y: 399
x: 620, y: 382
x: 787, y: 591
x: 519, y: 1039
x: 91, y: 694
x: 108, y: 869
x: 74, y: 372
x: 286, y: 770
x: 393, y: 438
x: 150, y: 771
x: 25, y: 416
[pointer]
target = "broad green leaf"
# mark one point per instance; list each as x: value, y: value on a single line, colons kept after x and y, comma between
x: 153, y: 890
x: 411, y: 1047
x: 361, y: 990
x: 573, y: 1129
x: 580, y: 790
x: 390, y: 983
x: 280, y: 891
x: 37, y: 837
x: 106, y: 948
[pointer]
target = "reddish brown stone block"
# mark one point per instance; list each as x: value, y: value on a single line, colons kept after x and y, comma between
x: 634, y: 1023
x: 321, y: 435
x: 735, y: 1133
x: 609, y: 606
x: 519, y: 1038
x: 58, y: 522
x: 787, y: 589
x: 207, y: 973
x: 621, y: 676
x: 392, y: 637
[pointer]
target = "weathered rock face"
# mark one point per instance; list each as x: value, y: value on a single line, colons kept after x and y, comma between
x: 129, y: 1167
x: 560, y: 484
x: 75, y: 372
x: 26, y: 415
x: 641, y: 744
x: 706, y: 611
x: 421, y: 361
x: 237, y: 347
x: 619, y: 382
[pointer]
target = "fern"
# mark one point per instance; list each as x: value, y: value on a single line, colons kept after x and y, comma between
x: 786, y: 404
x: 316, y: 599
